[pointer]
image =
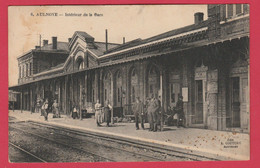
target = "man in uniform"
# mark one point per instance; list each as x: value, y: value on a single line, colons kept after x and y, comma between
x: 138, y: 110
x: 153, y: 109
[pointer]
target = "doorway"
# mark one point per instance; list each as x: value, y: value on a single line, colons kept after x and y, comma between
x: 235, y: 102
x: 239, y: 103
x: 198, y: 118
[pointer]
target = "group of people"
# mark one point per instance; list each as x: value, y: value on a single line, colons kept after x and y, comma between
x: 152, y: 109
x: 47, y: 107
x: 103, y: 114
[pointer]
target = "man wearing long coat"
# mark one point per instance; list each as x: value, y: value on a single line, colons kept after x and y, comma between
x: 138, y: 109
x: 153, y: 110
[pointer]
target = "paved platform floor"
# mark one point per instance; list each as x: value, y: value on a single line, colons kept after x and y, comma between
x: 229, y: 145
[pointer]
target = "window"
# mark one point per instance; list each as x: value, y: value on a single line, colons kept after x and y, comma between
x: 119, y: 88
x: 245, y: 8
x: 80, y: 63
x: 133, y: 94
x: 232, y: 10
x: 22, y: 71
x: 152, y: 71
x: 30, y: 70
x: 172, y: 93
x: 235, y: 86
x: 151, y: 89
x: 238, y: 9
x: 19, y: 71
x: 134, y: 84
x: 133, y: 72
x: 80, y: 66
x: 118, y: 95
x: 199, y: 90
x: 26, y: 70
x: 229, y: 10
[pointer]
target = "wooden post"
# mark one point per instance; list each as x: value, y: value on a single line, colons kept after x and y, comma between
x: 160, y: 94
x: 80, y: 97
x: 112, y: 98
x: 65, y: 94
x: 59, y: 98
x: 31, y: 99
x: 21, y: 101
x: 163, y: 95
x: 86, y: 86
x: 72, y: 91
x: 101, y: 86
x: 96, y: 86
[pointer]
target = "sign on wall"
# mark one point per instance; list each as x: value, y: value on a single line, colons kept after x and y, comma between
x: 185, y: 94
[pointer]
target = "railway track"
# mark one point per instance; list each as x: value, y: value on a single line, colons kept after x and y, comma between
x: 78, y: 135
x: 180, y: 153
x: 62, y: 144
x: 103, y: 148
x: 27, y: 153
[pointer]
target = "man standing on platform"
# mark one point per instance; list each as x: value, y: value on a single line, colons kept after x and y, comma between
x: 98, y: 113
x: 138, y: 110
x: 153, y: 113
x: 45, y: 108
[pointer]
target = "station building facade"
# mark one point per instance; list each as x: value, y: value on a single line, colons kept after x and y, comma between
x: 206, y: 62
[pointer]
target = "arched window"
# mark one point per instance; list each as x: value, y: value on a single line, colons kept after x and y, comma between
x: 81, y: 66
x: 119, y: 88
x: 133, y: 72
x: 154, y: 81
x: 80, y: 63
x: 134, y: 84
x: 107, y: 87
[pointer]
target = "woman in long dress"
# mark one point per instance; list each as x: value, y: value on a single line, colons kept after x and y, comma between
x: 98, y: 113
x: 107, y: 111
x: 55, y: 108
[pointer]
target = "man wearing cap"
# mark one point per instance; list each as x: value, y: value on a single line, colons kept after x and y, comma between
x: 153, y: 109
x: 138, y: 110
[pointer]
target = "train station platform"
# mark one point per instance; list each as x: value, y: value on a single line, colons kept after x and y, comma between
x: 217, y: 144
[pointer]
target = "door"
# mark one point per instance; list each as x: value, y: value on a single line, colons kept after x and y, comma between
x: 244, y: 106
x: 198, y: 118
x: 235, y: 102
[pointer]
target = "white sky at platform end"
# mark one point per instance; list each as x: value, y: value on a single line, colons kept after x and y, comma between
x: 129, y: 21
